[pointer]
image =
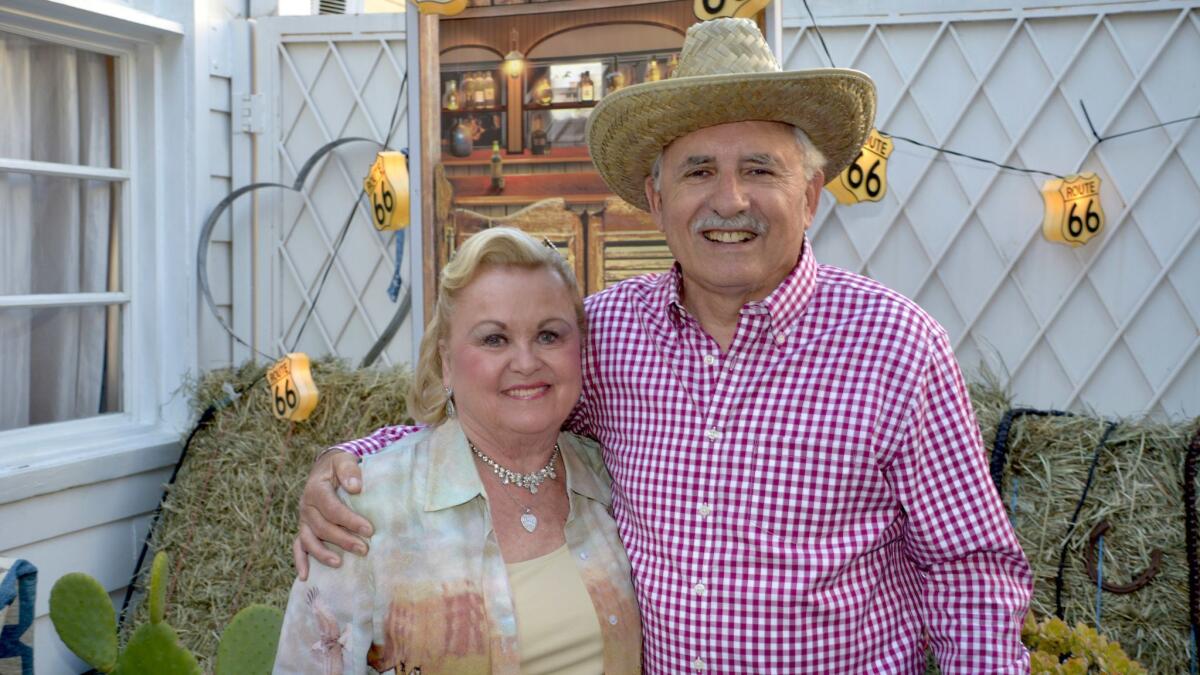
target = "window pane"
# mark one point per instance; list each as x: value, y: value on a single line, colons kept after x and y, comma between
x: 58, y: 103
x: 60, y: 363
x: 58, y: 235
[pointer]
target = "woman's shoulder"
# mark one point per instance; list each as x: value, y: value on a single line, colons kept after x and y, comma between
x: 393, y: 472
x: 588, y: 450
x: 398, y: 450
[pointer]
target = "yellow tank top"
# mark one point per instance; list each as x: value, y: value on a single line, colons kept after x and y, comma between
x: 557, y: 628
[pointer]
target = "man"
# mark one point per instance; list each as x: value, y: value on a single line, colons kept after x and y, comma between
x: 797, y: 473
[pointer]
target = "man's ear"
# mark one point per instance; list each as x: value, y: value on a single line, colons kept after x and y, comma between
x: 654, y: 198
x: 813, y: 193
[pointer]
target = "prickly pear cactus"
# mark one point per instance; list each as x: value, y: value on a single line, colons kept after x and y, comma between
x: 249, y: 642
x: 84, y: 617
x: 158, y: 587
x: 154, y: 648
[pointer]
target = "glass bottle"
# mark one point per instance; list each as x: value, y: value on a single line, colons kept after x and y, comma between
x: 489, y: 90
x: 480, y: 97
x: 587, y: 89
x: 450, y: 99
x: 653, y: 73
x: 497, y: 167
x: 538, y: 141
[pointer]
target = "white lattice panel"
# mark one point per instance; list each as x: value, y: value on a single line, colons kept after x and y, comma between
x: 324, y: 78
x: 1113, y: 326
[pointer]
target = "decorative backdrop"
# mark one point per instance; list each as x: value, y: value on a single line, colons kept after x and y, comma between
x: 1113, y: 326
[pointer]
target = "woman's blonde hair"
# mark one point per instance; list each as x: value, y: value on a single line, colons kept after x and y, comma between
x: 501, y: 247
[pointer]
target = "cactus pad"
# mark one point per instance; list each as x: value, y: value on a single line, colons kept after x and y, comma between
x: 85, y: 619
x: 158, y: 587
x: 154, y: 648
x: 249, y: 642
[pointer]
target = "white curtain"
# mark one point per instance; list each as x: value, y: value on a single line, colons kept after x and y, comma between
x: 54, y: 232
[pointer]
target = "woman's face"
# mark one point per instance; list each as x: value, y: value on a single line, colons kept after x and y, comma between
x: 512, y: 355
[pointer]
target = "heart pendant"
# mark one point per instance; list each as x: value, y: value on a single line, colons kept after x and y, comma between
x: 529, y: 522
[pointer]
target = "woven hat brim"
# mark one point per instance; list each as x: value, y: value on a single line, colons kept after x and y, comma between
x: 628, y: 128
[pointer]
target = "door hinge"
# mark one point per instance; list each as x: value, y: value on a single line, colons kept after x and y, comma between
x: 251, y: 113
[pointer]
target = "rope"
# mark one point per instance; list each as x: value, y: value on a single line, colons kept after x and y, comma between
x: 1062, y: 556
x: 1192, y: 538
x: 1000, y: 445
x: 1099, y: 579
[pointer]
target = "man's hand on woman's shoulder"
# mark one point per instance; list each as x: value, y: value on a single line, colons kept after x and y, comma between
x: 323, y: 517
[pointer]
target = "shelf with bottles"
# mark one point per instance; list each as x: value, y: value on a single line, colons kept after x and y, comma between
x: 468, y: 88
x: 474, y: 112
x: 581, y: 83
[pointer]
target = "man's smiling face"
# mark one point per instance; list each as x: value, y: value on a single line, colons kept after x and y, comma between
x: 734, y: 204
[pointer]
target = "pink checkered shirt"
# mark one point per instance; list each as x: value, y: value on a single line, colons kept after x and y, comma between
x: 814, y: 500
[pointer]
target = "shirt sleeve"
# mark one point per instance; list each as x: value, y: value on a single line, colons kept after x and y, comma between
x: 327, y: 626
x: 977, y: 581
x: 380, y: 439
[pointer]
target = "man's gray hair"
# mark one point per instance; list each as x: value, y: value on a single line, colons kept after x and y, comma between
x: 812, y: 158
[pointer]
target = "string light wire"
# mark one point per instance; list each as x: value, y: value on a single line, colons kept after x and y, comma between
x: 937, y: 148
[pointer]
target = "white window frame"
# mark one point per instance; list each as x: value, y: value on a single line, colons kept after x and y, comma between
x: 157, y: 317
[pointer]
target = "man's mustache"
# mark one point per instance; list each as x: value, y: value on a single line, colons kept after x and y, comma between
x: 742, y: 222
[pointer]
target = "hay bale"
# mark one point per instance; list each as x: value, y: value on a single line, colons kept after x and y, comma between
x: 1137, y: 488
x: 229, y: 519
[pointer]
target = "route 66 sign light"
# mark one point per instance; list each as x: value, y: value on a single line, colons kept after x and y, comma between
x: 865, y: 180
x: 717, y: 9
x: 386, y: 186
x: 1073, y: 212
x: 293, y: 392
x: 443, y: 7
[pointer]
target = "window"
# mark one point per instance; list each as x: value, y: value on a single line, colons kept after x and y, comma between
x: 61, y: 191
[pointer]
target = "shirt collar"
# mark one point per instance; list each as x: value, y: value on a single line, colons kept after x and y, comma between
x: 784, y: 305
x: 453, y: 480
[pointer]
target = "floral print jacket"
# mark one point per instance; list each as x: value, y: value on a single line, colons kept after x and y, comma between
x: 432, y: 595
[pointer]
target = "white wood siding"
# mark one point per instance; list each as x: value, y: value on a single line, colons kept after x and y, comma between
x: 1113, y: 326
x: 84, y: 504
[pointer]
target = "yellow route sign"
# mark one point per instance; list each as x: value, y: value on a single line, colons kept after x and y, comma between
x: 1073, y: 212
x: 443, y: 7
x: 717, y: 9
x: 386, y: 186
x: 865, y: 180
x: 293, y: 392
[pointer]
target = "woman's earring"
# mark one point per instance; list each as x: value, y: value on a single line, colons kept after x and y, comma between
x: 450, y: 411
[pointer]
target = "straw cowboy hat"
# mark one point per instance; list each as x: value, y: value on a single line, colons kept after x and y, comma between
x: 727, y: 73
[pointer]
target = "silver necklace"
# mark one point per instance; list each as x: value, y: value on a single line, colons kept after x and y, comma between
x: 529, y: 481
x: 529, y: 521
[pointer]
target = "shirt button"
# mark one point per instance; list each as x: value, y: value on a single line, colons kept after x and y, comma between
x: 780, y: 338
x: 698, y: 665
x: 705, y: 510
x: 709, y: 359
x: 700, y: 590
x: 712, y: 434
x: 612, y: 619
x: 583, y: 556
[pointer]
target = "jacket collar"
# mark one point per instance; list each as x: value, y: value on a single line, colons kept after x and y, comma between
x: 453, y: 479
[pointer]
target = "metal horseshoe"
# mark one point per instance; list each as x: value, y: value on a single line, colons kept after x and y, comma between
x: 1089, y: 556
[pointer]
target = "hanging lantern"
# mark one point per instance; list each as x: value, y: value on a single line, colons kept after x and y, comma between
x: 387, y: 187
x: 1073, y: 212
x: 865, y: 180
x: 293, y: 392
x: 716, y: 9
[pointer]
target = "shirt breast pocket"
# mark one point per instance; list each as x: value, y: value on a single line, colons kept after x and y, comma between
x: 799, y: 495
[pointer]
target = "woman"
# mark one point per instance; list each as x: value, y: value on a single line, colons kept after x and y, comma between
x: 494, y: 549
